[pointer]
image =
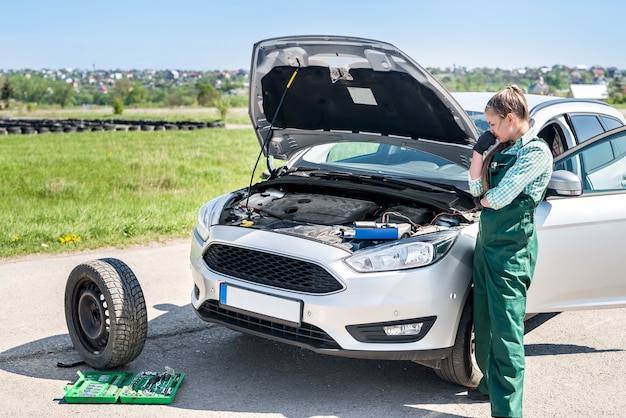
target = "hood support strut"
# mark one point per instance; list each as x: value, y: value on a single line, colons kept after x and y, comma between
x: 268, y: 137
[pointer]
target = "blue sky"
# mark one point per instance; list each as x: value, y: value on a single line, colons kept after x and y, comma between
x: 210, y: 35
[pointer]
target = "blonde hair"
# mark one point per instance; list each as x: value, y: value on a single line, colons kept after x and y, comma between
x: 509, y: 100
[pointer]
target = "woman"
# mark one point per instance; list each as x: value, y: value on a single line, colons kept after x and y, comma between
x: 511, y: 180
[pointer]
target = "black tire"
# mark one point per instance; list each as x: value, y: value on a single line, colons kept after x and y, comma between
x: 460, y: 366
x: 105, y: 313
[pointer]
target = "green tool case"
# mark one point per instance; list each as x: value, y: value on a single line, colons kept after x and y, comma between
x: 138, y: 388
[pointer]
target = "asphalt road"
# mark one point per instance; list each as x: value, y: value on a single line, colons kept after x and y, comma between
x: 576, y: 361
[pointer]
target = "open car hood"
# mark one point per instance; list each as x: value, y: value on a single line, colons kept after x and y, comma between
x: 308, y: 90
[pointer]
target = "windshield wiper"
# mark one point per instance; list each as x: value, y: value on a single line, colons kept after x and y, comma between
x: 333, y: 174
x: 282, y: 171
x: 412, y: 182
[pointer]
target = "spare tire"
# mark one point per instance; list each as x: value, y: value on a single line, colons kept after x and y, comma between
x: 105, y: 313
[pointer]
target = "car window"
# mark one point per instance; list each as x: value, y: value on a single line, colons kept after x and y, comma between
x: 601, y: 166
x: 586, y: 126
x: 620, y: 145
x: 597, y: 156
x: 611, y: 123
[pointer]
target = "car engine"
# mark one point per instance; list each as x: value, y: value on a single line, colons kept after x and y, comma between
x: 346, y: 222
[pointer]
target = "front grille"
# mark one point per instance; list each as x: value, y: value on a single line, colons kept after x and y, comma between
x: 270, y: 269
x: 306, y: 334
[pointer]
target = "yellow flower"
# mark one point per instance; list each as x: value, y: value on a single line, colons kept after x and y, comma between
x: 15, y: 238
x: 69, y: 238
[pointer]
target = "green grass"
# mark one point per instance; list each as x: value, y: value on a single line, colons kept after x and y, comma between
x: 72, y: 191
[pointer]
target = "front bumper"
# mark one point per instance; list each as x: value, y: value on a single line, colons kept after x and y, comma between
x: 347, y: 321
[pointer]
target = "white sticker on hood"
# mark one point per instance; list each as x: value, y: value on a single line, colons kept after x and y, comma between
x: 362, y: 95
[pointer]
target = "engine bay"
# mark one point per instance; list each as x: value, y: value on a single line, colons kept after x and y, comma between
x: 350, y: 223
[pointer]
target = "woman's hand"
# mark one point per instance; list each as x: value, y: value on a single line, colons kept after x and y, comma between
x: 485, y: 141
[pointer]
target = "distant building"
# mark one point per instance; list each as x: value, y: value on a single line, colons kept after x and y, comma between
x: 540, y: 87
x: 589, y: 91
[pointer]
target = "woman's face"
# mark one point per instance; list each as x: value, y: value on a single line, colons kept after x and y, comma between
x: 504, y: 129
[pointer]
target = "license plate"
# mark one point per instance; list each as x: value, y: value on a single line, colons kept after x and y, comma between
x: 286, y: 310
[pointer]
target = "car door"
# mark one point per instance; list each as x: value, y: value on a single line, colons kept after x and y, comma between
x: 581, y: 238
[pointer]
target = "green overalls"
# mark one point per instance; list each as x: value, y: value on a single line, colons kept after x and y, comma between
x: 504, y: 263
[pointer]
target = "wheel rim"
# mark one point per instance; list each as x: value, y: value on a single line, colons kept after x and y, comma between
x: 92, y: 317
x: 472, y: 350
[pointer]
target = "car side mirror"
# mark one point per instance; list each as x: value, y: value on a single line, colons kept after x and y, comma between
x: 565, y: 183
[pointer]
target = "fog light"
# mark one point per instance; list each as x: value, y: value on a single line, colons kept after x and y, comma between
x: 407, y: 330
x: 404, y: 329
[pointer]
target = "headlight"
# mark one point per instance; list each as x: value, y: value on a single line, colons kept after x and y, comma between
x: 403, y: 254
x: 209, y: 214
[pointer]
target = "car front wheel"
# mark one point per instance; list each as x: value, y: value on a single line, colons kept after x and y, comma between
x: 105, y: 313
x: 460, y: 366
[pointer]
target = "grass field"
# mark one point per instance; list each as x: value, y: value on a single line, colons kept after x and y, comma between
x: 65, y: 192
x: 86, y: 190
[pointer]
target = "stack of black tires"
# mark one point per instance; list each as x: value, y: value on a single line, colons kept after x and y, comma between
x: 36, y: 126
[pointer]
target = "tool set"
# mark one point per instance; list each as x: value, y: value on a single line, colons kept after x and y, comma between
x: 139, y: 388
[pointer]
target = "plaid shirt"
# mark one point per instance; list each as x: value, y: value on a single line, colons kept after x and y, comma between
x: 530, y: 174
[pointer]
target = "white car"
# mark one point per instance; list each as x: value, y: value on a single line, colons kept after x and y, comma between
x: 361, y: 243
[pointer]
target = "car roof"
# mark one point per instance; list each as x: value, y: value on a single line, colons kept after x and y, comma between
x: 541, y: 108
x: 476, y: 101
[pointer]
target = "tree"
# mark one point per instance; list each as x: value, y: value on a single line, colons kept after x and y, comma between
x: 206, y: 94
x: 557, y: 79
x: 7, y: 92
x: 101, y: 99
x: 177, y: 99
x: 222, y: 104
x: 32, y: 89
x: 616, y: 92
x: 62, y: 93
x: 83, y: 97
x: 121, y: 87
x: 118, y: 105
x: 137, y: 95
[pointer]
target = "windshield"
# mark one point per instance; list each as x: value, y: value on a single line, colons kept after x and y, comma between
x: 479, y: 120
x: 386, y: 160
